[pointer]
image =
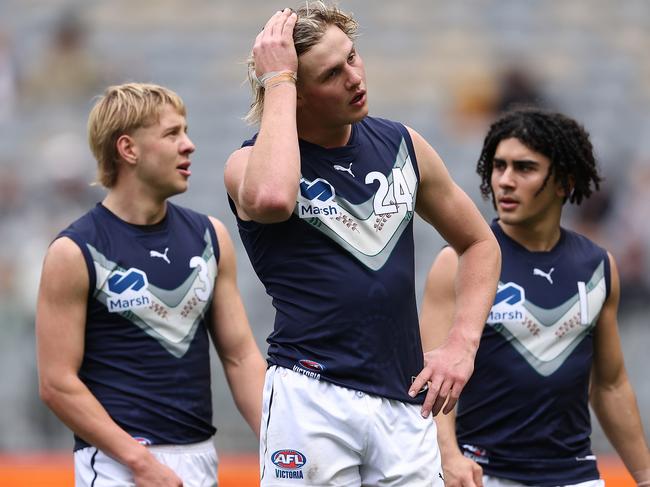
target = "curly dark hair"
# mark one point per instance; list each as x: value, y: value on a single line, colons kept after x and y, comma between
x: 554, y: 135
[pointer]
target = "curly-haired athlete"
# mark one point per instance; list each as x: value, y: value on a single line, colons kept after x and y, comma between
x: 551, y: 343
x: 325, y: 198
x: 558, y: 137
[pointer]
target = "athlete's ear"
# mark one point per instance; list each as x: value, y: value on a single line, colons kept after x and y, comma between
x: 126, y: 149
x: 562, y: 192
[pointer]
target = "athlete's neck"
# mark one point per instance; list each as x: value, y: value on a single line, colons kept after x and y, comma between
x: 134, y: 210
x: 538, y: 237
x: 326, y: 137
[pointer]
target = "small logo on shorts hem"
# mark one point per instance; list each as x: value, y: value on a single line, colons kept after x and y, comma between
x: 309, y: 368
x: 478, y: 454
x: 142, y: 440
x: 288, y: 464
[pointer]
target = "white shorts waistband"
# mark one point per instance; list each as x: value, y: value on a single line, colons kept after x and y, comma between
x: 200, y: 447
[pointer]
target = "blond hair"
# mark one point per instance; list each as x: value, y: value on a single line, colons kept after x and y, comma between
x: 121, y: 110
x: 313, y: 20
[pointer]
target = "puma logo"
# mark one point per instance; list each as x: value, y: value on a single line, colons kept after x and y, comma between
x: 163, y: 256
x: 539, y: 272
x: 346, y: 169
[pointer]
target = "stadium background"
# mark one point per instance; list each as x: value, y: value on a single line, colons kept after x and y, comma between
x: 443, y: 67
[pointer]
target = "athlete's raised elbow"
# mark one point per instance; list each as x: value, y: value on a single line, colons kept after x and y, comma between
x: 268, y: 206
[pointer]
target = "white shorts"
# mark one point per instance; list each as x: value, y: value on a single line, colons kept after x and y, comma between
x: 195, y: 464
x: 320, y: 434
x: 489, y: 481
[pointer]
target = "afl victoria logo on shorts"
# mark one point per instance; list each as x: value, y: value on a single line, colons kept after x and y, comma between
x: 288, y: 464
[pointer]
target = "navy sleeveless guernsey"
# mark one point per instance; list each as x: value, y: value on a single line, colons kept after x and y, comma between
x: 524, y: 413
x: 146, y: 356
x: 340, y: 270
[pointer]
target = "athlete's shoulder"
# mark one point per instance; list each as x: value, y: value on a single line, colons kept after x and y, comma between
x: 200, y: 224
x: 382, y: 123
x: 174, y: 208
x: 87, y: 225
x: 504, y: 241
x: 394, y: 133
x: 65, y: 249
x: 580, y: 241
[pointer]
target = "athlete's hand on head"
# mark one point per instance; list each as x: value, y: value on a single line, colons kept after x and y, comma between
x: 460, y: 471
x: 446, y: 371
x: 274, y: 49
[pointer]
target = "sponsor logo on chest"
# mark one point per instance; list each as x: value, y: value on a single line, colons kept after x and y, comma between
x: 508, y: 304
x: 127, y: 290
x: 316, y: 199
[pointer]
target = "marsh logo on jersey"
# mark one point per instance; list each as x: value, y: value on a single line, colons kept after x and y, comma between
x: 508, y: 304
x: 316, y: 198
x: 127, y: 290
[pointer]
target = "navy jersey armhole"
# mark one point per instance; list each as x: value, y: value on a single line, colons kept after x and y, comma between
x: 608, y: 275
x: 406, y: 135
x: 215, y: 240
x: 90, y: 266
x: 242, y: 225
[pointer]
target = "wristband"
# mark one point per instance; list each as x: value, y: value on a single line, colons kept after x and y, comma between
x: 276, y: 77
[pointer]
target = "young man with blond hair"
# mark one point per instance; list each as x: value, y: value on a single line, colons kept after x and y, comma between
x: 325, y: 197
x: 129, y: 295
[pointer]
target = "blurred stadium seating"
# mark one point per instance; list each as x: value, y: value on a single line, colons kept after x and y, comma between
x: 441, y: 67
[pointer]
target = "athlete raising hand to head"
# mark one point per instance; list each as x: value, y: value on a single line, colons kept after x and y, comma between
x: 334, y: 249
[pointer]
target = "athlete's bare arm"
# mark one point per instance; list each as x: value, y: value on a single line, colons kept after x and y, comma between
x: 436, y: 317
x: 242, y: 361
x: 444, y: 205
x: 263, y: 180
x: 439, y: 299
x: 60, y: 327
x: 611, y: 394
